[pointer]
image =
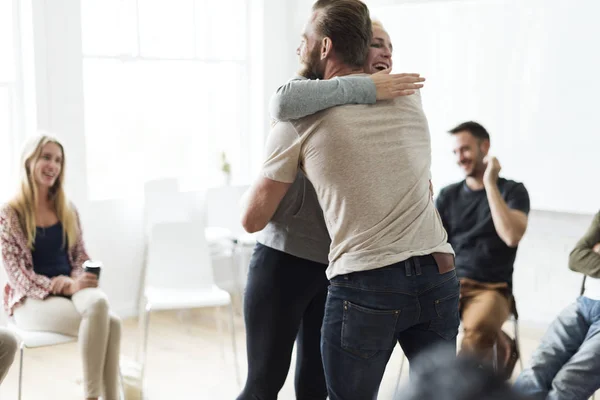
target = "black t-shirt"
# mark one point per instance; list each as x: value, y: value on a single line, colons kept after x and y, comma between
x: 480, y: 253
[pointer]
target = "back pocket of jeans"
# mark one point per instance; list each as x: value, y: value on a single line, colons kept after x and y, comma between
x: 447, y: 321
x: 366, y: 331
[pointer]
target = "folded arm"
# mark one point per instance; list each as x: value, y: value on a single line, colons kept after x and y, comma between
x: 585, y: 257
x: 300, y: 97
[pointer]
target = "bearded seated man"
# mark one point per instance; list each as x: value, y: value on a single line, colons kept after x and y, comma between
x: 485, y: 216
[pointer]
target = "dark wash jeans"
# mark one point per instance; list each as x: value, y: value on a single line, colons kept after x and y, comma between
x: 367, y: 312
x: 284, y: 302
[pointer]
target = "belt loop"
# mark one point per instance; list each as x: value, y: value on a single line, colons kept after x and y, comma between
x: 417, y: 265
x: 407, y: 266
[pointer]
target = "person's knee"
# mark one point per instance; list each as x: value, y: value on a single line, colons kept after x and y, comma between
x: 480, y: 335
x: 115, y: 325
x: 98, y: 304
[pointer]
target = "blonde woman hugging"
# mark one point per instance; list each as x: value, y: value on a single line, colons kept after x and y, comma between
x: 43, y: 253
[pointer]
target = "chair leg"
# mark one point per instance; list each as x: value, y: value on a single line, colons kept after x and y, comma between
x: 518, y: 344
x: 147, y: 310
x: 141, y: 329
x: 236, y: 273
x: 495, y: 356
x: 21, y: 370
x: 121, y: 385
x: 218, y: 314
x: 234, y: 345
x: 396, y: 391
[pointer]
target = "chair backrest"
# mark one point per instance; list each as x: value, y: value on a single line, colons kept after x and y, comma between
x: 163, y: 202
x: 223, y: 208
x: 160, y: 198
x: 582, y: 291
x: 178, y: 257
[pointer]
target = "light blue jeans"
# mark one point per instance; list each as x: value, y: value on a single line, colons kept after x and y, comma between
x: 566, y: 365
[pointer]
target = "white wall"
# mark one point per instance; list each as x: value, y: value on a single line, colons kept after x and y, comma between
x: 113, y: 230
x: 494, y: 61
x: 543, y: 283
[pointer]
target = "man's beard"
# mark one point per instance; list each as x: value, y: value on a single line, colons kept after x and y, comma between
x: 472, y: 174
x: 310, y: 67
x: 478, y: 167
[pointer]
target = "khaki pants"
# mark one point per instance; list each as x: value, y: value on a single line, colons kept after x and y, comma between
x: 85, y: 315
x: 8, y: 349
x: 484, y: 308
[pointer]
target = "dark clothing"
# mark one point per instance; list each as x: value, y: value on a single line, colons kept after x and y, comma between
x: 583, y: 258
x: 298, y: 225
x: 284, y: 302
x: 480, y: 253
x: 368, y: 312
x: 50, y: 253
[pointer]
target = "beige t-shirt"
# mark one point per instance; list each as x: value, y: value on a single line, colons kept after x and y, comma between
x: 370, y: 166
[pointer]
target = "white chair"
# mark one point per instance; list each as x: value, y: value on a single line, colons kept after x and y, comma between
x: 224, y: 230
x: 29, y: 339
x: 33, y: 339
x: 222, y: 209
x: 179, y: 276
x: 36, y: 339
x: 163, y: 202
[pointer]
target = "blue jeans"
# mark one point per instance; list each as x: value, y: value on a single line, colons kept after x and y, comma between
x: 566, y: 365
x: 367, y: 312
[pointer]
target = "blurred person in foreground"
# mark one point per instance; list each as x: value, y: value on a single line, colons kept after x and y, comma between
x: 440, y: 376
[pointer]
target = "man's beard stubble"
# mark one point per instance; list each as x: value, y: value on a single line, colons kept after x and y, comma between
x: 310, y: 68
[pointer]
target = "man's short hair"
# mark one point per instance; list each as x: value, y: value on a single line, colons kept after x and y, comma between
x: 348, y: 24
x: 473, y: 128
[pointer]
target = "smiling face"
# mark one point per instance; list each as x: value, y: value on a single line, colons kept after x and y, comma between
x: 47, y: 168
x: 380, y: 53
x: 470, y: 152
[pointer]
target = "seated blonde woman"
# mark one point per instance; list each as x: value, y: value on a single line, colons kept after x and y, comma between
x: 43, y: 253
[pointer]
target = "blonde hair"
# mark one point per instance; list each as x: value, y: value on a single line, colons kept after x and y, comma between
x: 377, y: 23
x: 26, y: 200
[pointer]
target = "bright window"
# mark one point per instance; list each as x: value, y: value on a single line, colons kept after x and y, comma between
x: 166, y: 89
x: 7, y: 100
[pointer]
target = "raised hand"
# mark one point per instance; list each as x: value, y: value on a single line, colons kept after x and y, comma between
x: 493, y: 167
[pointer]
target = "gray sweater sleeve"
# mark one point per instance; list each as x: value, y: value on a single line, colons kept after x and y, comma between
x: 300, y: 97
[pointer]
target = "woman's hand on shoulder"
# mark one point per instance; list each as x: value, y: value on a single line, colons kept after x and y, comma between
x: 389, y: 86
